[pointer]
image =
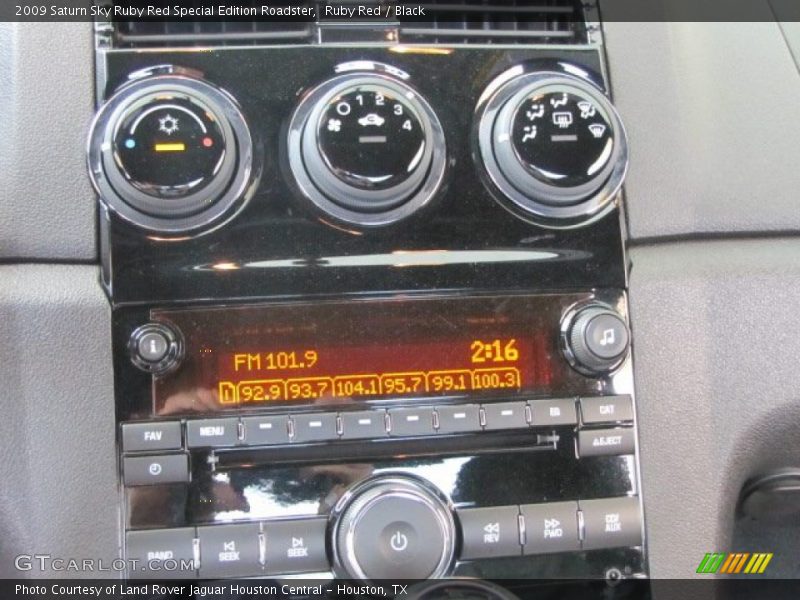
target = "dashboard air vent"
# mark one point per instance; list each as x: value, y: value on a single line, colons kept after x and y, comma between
x: 499, y: 22
x: 186, y: 32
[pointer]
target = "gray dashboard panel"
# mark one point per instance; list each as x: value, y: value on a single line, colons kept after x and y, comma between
x: 711, y: 110
x: 58, y: 489
x: 47, y: 206
x: 716, y: 345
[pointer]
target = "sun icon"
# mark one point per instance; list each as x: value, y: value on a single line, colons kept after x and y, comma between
x: 168, y: 124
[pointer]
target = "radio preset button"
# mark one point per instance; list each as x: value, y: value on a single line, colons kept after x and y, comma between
x: 549, y: 413
x: 551, y: 527
x: 212, y: 433
x: 296, y: 546
x: 611, y: 523
x: 229, y: 550
x: 459, y: 419
x: 411, y: 421
x: 154, y: 547
x: 143, y: 437
x: 505, y: 415
x: 266, y: 431
x: 489, y: 532
x: 314, y: 427
x: 363, y: 424
x: 609, y: 409
x: 606, y: 442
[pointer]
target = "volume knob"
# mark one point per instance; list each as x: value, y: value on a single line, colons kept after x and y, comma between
x: 597, y: 340
x: 394, y: 528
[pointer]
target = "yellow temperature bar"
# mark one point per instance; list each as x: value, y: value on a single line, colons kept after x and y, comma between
x: 171, y: 147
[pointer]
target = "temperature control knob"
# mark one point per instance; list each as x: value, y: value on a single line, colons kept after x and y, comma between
x: 553, y: 147
x: 171, y: 154
x: 394, y: 528
x: 596, y: 340
x: 366, y: 149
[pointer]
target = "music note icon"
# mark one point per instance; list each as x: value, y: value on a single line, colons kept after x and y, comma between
x: 608, y: 338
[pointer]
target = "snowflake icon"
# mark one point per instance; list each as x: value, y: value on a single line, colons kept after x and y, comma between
x: 168, y: 124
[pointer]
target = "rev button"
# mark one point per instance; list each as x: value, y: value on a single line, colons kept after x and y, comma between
x: 489, y: 532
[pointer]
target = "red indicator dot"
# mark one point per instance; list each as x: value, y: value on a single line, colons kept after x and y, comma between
x: 208, y: 142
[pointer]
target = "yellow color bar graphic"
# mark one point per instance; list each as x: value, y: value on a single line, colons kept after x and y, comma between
x: 171, y: 147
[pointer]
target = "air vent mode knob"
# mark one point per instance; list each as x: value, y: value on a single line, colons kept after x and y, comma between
x: 552, y: 146
x: 596, y: 340
x: 171, y: 154
x: 366, y: 149
x: 393, y: 528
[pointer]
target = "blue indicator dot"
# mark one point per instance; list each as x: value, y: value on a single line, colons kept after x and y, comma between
x: 130, y: 144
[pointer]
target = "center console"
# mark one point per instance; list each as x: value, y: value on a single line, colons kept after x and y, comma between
x: 370, y: 313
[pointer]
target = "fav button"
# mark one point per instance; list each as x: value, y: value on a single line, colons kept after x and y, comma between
x: 143, y: 437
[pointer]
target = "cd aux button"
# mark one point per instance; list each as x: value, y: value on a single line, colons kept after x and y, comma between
x: 212, y: 433
x: 611, y: 523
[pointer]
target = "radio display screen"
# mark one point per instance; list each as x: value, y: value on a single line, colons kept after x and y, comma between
x: 253, y: 357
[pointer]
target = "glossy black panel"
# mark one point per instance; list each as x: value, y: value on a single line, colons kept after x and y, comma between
x: 277, y: 246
